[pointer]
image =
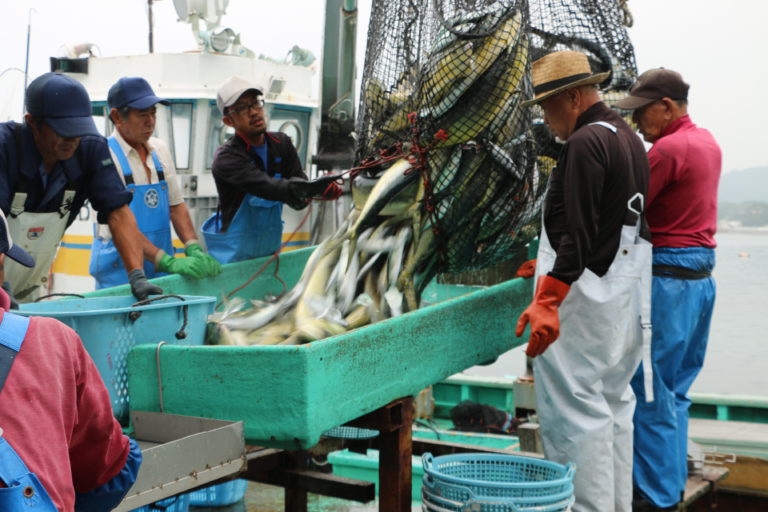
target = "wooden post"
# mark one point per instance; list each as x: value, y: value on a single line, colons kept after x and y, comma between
x: 296, y: 498
x: 395, y: 472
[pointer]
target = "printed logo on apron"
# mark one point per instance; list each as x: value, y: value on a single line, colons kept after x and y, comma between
x: 35, y: 233
x: 151, y: 199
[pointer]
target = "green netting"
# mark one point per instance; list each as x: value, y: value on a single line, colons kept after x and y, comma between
x: 443, y: 84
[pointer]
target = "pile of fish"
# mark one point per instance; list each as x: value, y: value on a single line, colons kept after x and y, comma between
x: 429, y: 210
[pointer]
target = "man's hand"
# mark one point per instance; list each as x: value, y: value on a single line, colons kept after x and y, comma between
x: 189, y: 267
x: 140, y: 286
x: 324, y: 187
x: 527, y: 269
x: 209, y: 264
x: 542, y: 315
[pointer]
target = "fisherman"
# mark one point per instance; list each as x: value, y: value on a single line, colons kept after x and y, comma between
x: 60, y: 445
x: 48, y: 168
x: 255, y: 171
x: 146, y: 166
x: 593, y: 277
x: 682, y: 214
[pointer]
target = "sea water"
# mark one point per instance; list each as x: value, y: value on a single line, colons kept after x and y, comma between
x: 737, y: 354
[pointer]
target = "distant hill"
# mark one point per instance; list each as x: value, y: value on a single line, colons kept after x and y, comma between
x: 745, y: 185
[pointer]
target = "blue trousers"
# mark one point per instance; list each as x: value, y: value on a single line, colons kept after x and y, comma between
x: 681, y: 311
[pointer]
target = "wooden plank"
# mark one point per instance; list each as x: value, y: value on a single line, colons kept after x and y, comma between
x: 730, y: 434
x: 747, y: 475
x: 698, y: 486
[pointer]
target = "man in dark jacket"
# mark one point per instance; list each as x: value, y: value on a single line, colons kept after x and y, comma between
x: 49, y: 166
x: 593, y: 287
x: 255, y: 171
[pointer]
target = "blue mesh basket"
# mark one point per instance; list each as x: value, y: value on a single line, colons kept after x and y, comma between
x: 178, y: 503
x: 462, y: 493
x: 219, y: 495
x: 111, y: 326
x: 345, y: 432
x: 499, y: 475
x: 432, y: 503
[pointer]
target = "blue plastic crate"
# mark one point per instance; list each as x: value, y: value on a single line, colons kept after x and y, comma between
x: 111, y: 326
x: 219, y: 495
x: 178, y: 503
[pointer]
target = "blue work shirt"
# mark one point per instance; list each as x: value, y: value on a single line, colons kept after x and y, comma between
x: 91, y: 172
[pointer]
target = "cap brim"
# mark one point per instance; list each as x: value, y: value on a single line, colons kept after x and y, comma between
x: 21, y: 256
x: 236, y: 95
x: 594, y: 79
x: 71, y: 127
x: 147, y: 102
x: 633, y: 102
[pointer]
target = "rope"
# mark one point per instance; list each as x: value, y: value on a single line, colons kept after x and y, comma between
x: 276, y: 258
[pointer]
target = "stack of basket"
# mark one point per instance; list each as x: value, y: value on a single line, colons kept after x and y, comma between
x: 480, y: 482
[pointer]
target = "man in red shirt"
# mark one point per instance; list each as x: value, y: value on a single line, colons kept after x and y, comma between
x: 682, y: 214
x: 59, y: 442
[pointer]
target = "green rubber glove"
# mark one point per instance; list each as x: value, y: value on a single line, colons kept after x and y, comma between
x: 210, y: 265
x: 189, y: 267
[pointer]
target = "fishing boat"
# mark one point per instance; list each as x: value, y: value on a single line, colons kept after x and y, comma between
x: 334, y: 390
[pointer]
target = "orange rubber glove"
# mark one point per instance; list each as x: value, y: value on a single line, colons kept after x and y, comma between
x: 542, y: 315
x: 527, y: 269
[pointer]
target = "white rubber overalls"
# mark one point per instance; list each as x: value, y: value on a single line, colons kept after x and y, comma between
x: 584, y: 401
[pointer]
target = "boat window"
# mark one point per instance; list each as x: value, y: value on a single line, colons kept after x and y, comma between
x: 294, y: 122
x: 181, y: 133
x: 293, y: 130
x: 218, y: 133
x: 101, y: 118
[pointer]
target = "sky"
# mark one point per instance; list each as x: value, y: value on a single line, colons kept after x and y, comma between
x: 721, y: 49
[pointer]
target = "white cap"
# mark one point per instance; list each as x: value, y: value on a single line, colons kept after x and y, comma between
x: 232, y: 89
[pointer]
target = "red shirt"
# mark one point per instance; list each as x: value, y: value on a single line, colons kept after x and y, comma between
x: 682, y: 193
x: 55, y: 413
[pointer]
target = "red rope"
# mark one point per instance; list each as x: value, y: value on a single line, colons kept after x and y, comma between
x: 276, y: 258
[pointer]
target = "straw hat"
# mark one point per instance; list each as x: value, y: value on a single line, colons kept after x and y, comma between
x: 559, y: 71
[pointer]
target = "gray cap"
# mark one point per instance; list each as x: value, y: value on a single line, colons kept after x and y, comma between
x: 232, y: 89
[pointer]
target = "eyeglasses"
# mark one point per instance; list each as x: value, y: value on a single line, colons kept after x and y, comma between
x: 257, y: 105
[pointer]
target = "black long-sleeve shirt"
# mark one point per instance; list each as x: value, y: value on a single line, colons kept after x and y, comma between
x: 237, y: 171
x: 597, y: 173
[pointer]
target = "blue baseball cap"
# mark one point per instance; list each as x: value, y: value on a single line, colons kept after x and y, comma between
x: 133, y: 92
x: 14, y: 252
x: 63, y: 103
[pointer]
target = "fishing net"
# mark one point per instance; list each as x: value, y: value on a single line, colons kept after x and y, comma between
x: 443, y: 84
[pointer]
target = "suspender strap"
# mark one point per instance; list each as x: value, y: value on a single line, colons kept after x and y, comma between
x: 158, y: 167
x: 12, y: 331
x: 21, y: 190
x: 125, y: 167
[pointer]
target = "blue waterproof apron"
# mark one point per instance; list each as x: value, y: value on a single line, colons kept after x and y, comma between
x: 256, y: 230
x: 24, y: 491
x: 151, y: 208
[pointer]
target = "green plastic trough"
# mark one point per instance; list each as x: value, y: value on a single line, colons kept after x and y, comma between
x: 287, y: 396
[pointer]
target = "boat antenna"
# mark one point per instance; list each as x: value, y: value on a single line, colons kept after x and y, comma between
x: 151, y: 34
x: 26, y: 62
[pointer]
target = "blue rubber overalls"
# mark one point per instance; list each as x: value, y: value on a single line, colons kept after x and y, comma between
x: 683, y: 299
x: 256, y: 229
x: 24, y: 491
x: 152, y: 210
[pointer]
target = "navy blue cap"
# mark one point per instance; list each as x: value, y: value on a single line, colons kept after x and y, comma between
x: 14, y: 252
x: 133, y: 92
x: 63, y: 103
